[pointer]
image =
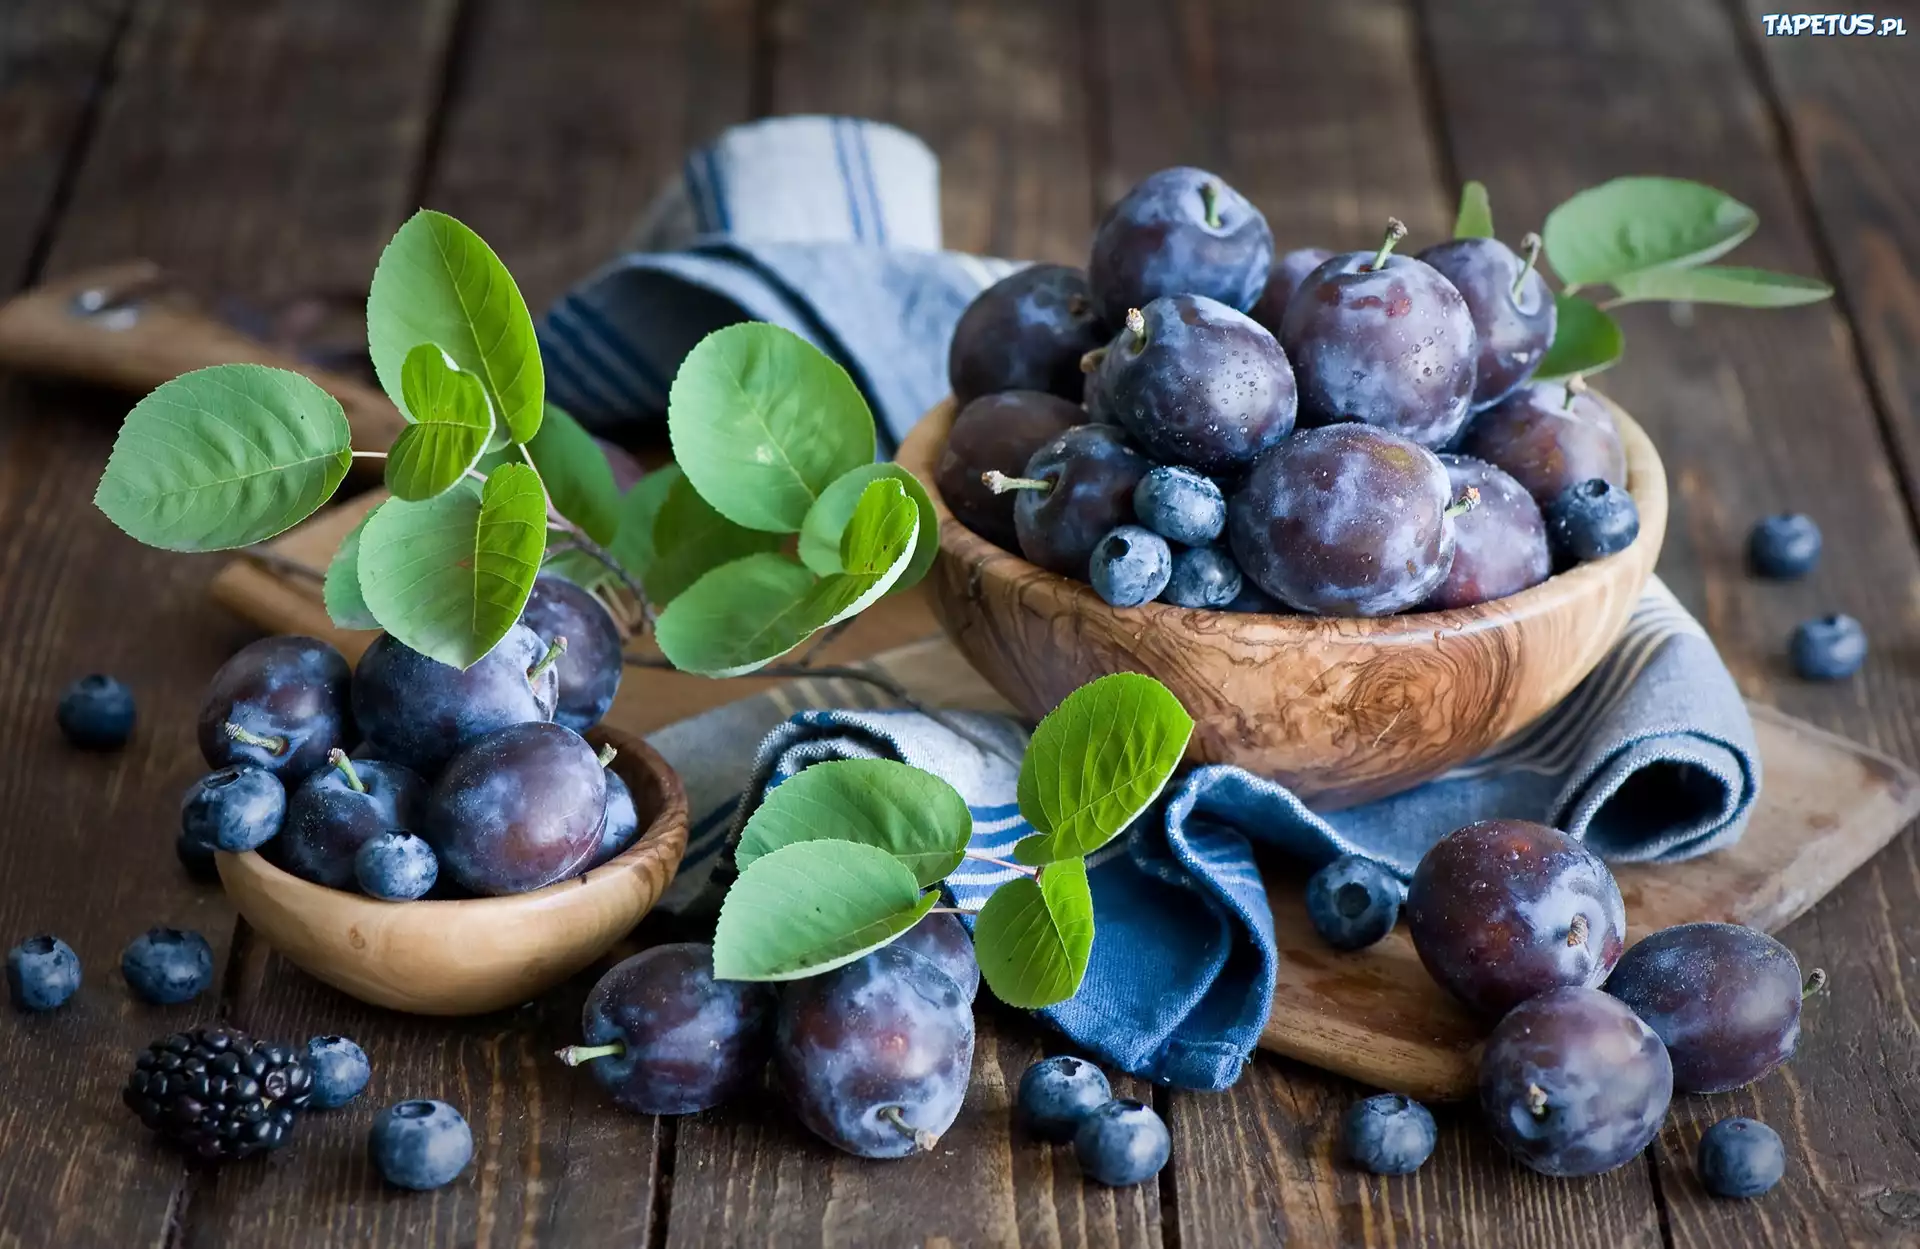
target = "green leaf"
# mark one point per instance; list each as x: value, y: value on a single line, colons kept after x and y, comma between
x: 827, y: 520
x: 813, y: 906
x: 1585, y: 340
x: 225, y: 457
x: 1633, y: 224
x: 450, y: 575
x: 1096, y: 762
x: 450, y: 429
x: 1475, y: 220
x: 876, y: 549
x: 690, y: 540
x: 438, y: 282
x: 1722, y: 284
x: 1033, y: 937
x: 578, y: 477
x: 913, y: 815
x: 762, y: 423
x: 639, y: 509
x: 346, y: 606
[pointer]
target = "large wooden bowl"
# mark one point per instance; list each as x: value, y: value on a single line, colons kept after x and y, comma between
x: 1340, y: 711
x: 474, y: 955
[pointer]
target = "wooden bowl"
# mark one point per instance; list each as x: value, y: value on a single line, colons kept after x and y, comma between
x: 1341, y: 711
x: 475, y: 955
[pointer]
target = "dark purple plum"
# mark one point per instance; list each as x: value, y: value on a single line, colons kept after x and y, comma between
x: 1000, y: 433
x: 589, y: 671
x: 1502, y: 910
x: 1197, y: 383
x: 281, y: 704
x: 1283, y: 280
x: 1500, y: 543
x: 945, y: 941
x: 1725, y: 999
x: 1181, y: 231
x: 1511, y: 306
x: 1573, y: 1083
x: 875, y: 1056
x: 1346, y: 520
x: 666, y: 1038
x: 1548, y: 438
x: 1075, y: 491
x: 627, y: 470
x: 622, y: 822
x: 1025, y: 332
x: 337, y: 811
x: 419, y: 712
x: 518, y: 809
x: 1382, y: 339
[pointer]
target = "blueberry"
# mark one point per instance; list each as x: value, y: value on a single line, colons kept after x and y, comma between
x: 1741, y: 1158
x: 1180, y: 505
x: 1591, y: 520
x: 234, y: 809
x: 1784, y: 546
x: 96, y: 713
x: 1828, y: 648
x: 1121, y: 1143
x: 1130, y: 566
x: 420, y: 1144
x: 336, y: 812
x: 1353, y: 902
x: 1203, y: 576
x: 1181, y: 231
x: 340, y: 1070
x: 42, y: 973
x: 281, y: 704
x: 1388, y: 1134
x: 397, y: 867
x: 1057, y: 1093
x: 166, y: 966
x: 622, y: 823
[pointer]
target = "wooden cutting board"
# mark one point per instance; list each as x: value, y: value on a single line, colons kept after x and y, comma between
x: 1828, y: 805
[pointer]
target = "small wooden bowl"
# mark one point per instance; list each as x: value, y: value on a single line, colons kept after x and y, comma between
x: 1341, y: 711
x: 474, y: 955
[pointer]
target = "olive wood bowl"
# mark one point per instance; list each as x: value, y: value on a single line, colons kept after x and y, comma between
x: 1339, y: 710
x: 473, y: 955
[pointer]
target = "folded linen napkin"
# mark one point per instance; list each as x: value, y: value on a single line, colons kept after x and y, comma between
x: 830, y: 227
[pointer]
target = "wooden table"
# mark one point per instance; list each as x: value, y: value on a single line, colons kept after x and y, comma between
x: 270, y: 147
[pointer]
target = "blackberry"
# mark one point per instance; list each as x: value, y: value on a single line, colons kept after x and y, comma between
x: 218, y: 1095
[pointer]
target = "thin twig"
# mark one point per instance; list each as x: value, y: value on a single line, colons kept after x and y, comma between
x: 593, y: 550
x: 280, y: 563
x: 1022, y: 868
x: 823, y: 639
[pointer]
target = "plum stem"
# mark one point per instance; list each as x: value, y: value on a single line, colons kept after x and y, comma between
x: 574, y: 1055
x: 1210, y: 200
x: 1137, y: 327
x: 272, y: 743
x: 1022, y: 868
x: 338, y: 758
x: 1536, y: 1101
x: 1816, y: 984
x: 1000, y: 483
x: 1531, y: 246
x: 606, y: 756
x: 1576, y: 385
x: 923, y: 1140
x: 1465, y: 503
x: 552, y: 657
x: 1396, y: 230
x: 1577, y: 931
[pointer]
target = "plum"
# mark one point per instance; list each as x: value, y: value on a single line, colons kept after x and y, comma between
x: 335, y: 812
x: 1512, y: 309
x: 588, y: 671
x: 875, y: 1056
x: 1724, y: 999
x: 518, y: 809
x: 621, y: 823
x: 1548, y: 437
x: 1025, y: 332
x: 1075, y: 491
x: 1500, y: 543
x: 280, y: 703
x: 1501, y: 910
x: 666, y: 1038
x: 1382, y: 339
x: 1345, y: 520
x: 1197, y: 383
x: 1283, y: 280
x: 1181, y: 231
x: 945, y: 941
x: 997, y: 432
x: 1574, y: 1083
x: 418, y: 712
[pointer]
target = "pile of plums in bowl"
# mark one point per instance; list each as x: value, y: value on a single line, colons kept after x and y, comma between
x: 1346, y: 453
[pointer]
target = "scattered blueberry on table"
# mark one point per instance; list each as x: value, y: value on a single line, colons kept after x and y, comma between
x: 420, y: 1144
x: 1353, y: 902
x: 1741, y: 1158
x: 1828, y: 648
x: 1784, y: 546
x: 1388, y: 1134
x: 340, y: 1071
x: 96, y: 713
x: 166, y: 966
x: 1121, y: 1143
x: 42, y: 973
x: 1057, y: 1093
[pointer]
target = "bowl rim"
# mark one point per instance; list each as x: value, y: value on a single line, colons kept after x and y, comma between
x: 665, y: 838
x: 1646, y: 482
